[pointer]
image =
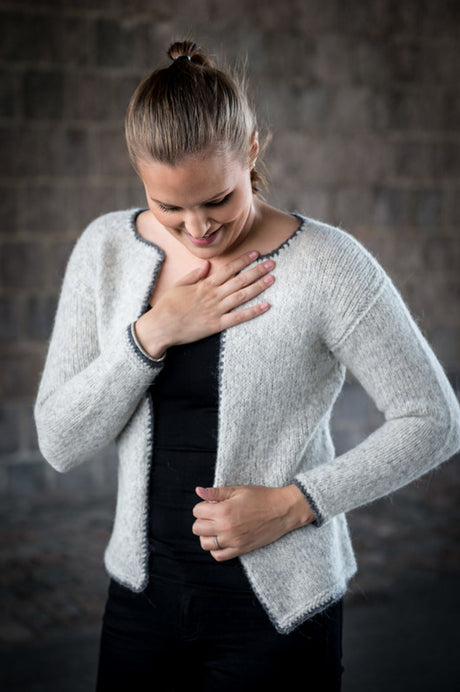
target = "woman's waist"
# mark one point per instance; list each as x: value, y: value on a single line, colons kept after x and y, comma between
x: 185, y: 563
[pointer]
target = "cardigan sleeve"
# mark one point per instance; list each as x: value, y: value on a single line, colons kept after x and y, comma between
x: 386, y: 351
x: 86, y: 396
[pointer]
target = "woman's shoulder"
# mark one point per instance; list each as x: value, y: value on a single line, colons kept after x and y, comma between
x: 113, y: 232
x: 325, y: 238
x: 106, y: 237
x: 110, y: 225
x: 332, y: 249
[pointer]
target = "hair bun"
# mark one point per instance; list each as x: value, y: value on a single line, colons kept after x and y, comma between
x: 190, y: 50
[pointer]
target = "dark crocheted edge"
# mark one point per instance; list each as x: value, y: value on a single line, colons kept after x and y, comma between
x: 308, y: 615
x: 285, y: 244
x: 145, y: 303
x: 303, y: 617
x: 287, y: 629
x: 320, y: 520
x: 145, y: 551
x: 152, y: 363
x: 132, y: 223
x: 139, y: 210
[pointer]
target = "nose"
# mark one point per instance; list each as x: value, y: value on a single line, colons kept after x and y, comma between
x: 197, y: 224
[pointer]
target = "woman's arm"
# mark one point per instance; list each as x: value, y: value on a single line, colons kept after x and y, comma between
x: 86, y: 396
x: 389, y: 356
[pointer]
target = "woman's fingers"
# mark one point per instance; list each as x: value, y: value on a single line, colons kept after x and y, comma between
x: 225, y: 552
x: 234, y: 267
x: 209, y: 543
x: 199, y: 305
x: 203, y: 527
x: 239, y: 289
x: 230, y: 319
x: 247, y: 278
x: 242, y: 295
x: 219, y: 554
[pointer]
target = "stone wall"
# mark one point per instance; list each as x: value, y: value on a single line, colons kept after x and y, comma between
x: 363, y: 103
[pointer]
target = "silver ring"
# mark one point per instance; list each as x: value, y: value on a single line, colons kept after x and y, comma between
x: 217, y: 543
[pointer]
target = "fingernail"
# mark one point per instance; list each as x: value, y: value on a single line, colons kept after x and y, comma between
x: 253, y: 254
x: 264, y: 306
x: 269, y: 265
x: 268, y: 279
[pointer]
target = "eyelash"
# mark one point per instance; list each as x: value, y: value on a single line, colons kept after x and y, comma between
x: 209, y: 204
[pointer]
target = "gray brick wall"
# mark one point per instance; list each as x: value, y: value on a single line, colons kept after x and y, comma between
x: 363, y: 101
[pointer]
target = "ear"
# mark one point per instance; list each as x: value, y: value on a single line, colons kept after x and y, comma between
x: 254, y: 149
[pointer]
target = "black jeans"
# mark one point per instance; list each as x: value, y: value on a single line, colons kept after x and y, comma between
x: 175, y: 638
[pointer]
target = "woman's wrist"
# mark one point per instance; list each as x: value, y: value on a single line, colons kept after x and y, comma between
x: 299, y: 511
x: 154, y: 347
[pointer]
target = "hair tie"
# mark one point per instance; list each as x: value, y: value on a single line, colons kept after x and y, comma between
x: 180, y: 57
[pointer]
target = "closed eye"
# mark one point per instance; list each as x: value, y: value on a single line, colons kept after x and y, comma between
x: 218, y: 203
x: 163, y: 207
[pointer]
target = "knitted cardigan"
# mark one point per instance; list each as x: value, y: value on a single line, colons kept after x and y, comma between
x: 332, y: 307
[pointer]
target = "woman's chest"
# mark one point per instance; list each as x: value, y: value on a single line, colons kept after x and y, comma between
x: 176, y: 267
x: 170, y: 273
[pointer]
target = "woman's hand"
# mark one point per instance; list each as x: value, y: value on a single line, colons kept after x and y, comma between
x: 200, y: 305
x: 246, y: 517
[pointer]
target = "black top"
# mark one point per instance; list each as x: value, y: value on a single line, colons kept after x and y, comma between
x: 185, y: 400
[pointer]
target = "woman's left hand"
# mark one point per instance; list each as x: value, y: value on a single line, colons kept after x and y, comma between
x: 246, y: 517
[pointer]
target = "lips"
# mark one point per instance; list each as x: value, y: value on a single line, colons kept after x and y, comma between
x: 203, y: 242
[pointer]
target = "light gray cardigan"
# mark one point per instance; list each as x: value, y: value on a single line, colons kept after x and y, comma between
x: 332, y: 307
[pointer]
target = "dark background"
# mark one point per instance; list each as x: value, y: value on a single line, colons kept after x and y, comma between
x: 363, y: 102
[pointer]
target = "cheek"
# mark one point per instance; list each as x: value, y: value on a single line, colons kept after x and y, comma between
x: 238, y: 207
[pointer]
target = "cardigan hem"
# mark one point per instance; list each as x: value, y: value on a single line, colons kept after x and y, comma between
x: 124, y: 581
x: 307, y: 614
x: 295, y: 621
x: 300, y: 619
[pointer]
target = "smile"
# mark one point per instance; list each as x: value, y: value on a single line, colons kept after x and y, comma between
x: 207, y: 240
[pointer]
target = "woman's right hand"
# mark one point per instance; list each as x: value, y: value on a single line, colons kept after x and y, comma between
x: 199, y: 305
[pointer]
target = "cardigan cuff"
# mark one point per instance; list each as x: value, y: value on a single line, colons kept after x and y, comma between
x: 135, y: 342
x: 320, y: 520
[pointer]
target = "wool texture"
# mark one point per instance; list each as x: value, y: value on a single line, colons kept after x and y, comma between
x: 332, y: 307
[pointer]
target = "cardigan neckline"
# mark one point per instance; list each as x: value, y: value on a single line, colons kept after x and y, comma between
x: 267, y: 255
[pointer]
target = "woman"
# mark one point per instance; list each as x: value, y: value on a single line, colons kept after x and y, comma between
x: 209, y: 335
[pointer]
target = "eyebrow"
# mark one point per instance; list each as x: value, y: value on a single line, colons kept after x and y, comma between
x: 219, y: 194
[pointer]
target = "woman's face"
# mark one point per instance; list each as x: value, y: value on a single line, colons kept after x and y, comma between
x: 205, y: 202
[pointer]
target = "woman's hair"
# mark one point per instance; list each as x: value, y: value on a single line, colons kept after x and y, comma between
x: 189, y: 108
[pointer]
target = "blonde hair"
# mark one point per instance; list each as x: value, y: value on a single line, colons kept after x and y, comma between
x: 190, y: 108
